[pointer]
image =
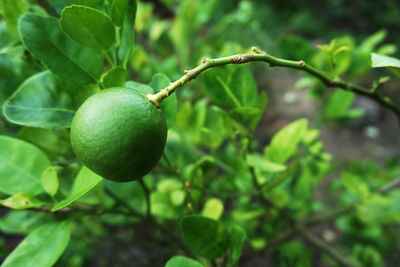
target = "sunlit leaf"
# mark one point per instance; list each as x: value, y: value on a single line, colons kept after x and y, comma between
x: 213, y: 208
x: 42, y: 247
x: 181, y: 261
x: 284, y: 143
x: 88, y: 26
x: 84, y: 182
x: 21, y: 166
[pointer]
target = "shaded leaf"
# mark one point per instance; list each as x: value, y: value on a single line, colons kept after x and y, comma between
x: 45, y: 101
x: 169, y: 106
x: 64, y: 57
x: 127, y: 34
x: 205, y: 236
x: 143, y: 88
x: 13, y: 70
x: 216, y: 88
x: 237, y: 237
x: 119, y: 9
x: 22, y: 221
x: 243, y: 86
x: 54, y: 143
x: 115, y: 77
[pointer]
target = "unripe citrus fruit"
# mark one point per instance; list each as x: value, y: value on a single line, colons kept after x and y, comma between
x: 118, y: 134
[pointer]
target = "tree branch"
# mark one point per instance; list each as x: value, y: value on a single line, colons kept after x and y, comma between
x: 350, y: 207
x: 297, y: 227
x: 147, y: 196
x: 325, y: 247
x: 259, y: 55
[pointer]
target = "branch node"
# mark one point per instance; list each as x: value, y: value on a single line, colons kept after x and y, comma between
x: 205, y: 60
x: 257, y: 50
x: 302, y: 63
x: 189, y: 205
x: 241, y: 58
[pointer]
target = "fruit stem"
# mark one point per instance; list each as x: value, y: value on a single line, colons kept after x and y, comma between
x: 259, y: 55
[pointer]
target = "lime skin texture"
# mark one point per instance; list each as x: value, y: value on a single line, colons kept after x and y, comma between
x: 119, y: 134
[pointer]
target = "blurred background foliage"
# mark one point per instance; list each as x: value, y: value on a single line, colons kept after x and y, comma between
x: 328, y: 147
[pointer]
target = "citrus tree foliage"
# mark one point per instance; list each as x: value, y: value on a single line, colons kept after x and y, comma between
x: 218, y: 196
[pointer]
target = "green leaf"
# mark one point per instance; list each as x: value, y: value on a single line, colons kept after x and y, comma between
x: 60, y: 4
x: 355, y: 185
x: 382, y: 61
x: 243, y: 86
x: 13, y: 69
x: 246, y: 113
x: 213, y: 208
x: 261, y: 104
x: 55, y: 143
x: 338, y: 104
x: 143, y: 88
x: 42, y: 247
x: 127, y: 34
x: 216, y: 87
x: 205, y: 236
x: 378, y: 209
x: 21, y: 166
x: 284, y: 143
x: 12, y: 10
x: 50, y: 179
x: 45, y: 101
x: 369, y: 44
x: 237, y: 238
x: 64, y: 57
x: 162, y: 207
x: 89, y: 3
x: 22, y: 221
x: 21, y: 201
x: 379, y: 61
x: 88, y: 26
x: 181, y: 261
x: 169, y: 106
x: 84, y: 182
x: 119, y: 9
x: 263, y: 164
x: 115, y: 77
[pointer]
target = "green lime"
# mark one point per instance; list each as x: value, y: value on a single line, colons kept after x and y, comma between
x: 118, y: 134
